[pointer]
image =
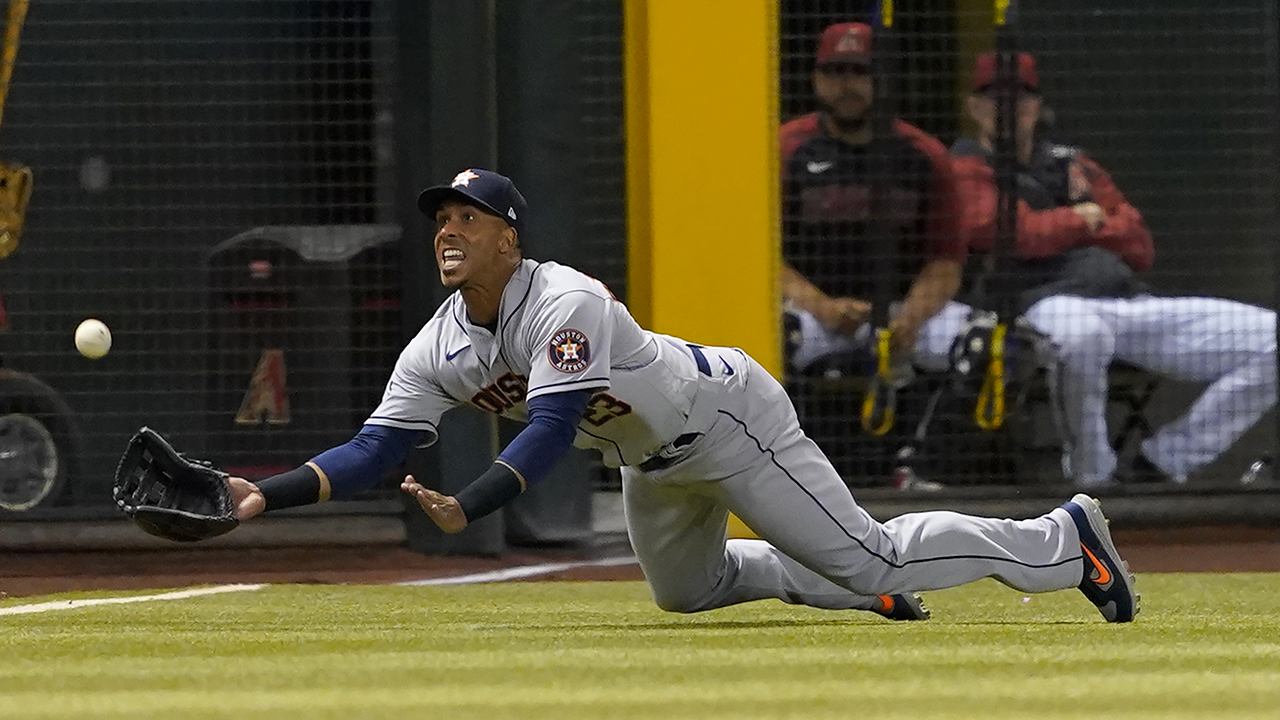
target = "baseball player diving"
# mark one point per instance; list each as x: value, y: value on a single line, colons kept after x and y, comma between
x: 698, y: 431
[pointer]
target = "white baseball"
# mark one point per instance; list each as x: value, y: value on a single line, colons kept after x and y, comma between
x: 93, y: 339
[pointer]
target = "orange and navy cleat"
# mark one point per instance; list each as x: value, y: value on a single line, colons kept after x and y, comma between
x: 1107, y: 581
x: 907, y: 606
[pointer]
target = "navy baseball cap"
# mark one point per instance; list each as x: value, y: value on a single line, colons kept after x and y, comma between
x: 483, y: 188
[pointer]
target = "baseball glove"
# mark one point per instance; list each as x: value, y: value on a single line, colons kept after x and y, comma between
x: 169, y: 495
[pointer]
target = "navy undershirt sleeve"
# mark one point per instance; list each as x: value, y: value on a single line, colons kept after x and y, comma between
x: 365, y: 459
x: 553, y: 423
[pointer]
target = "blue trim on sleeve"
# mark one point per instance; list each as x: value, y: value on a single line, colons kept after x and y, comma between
x: 364, y: 460
x: 601, y: 382
x: 553, y: 423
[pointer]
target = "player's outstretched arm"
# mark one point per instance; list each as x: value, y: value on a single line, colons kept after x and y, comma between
x: 553, y: 421
x: 337, y: 473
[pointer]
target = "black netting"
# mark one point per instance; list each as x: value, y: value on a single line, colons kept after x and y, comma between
x: 1145, y: 257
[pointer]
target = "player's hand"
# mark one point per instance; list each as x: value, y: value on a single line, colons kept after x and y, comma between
x: 249, y: 500
x: 442, y: 509
x: 1093, y: 214
x: 902, y: 337
x: 844, y: 315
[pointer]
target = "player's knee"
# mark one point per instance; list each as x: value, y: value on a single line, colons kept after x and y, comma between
x: 679, y: 602
x: 1087, y: 343
x: 688, y: 598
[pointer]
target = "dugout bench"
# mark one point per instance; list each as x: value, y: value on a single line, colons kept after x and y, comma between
x: 936, y: 438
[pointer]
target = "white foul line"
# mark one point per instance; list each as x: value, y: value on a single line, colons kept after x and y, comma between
x: 176, y: 595
x: 522, y: 571
x: 505, y: 574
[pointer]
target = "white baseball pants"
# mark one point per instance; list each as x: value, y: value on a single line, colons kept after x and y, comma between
x: 1229, y: 345
x: 819, y: 548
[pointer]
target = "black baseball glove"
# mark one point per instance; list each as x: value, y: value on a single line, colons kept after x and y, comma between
x: 172, y: 496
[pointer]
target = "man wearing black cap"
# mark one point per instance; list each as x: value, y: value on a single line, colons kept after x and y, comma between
x: 830, y: 268
x: 698, y: 431
x: 1079, y: 246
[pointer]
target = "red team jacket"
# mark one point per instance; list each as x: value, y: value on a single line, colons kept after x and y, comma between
x: 826, y: 207
x: 1055, y: 253
x: 1054, y: 229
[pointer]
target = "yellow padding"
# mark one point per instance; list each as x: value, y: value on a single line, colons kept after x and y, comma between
x: 989, y: 412
x: 878, y: 404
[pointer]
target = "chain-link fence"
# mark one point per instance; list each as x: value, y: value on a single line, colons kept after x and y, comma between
x: 1134, y: 268
x: 218, y: 182
x: 214, y: 181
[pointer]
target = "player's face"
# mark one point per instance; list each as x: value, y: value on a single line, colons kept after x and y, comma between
x: 469, y: 243
x: 844, y: 91
x: 982, y: 108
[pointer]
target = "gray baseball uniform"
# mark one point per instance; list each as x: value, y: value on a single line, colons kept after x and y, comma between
x: 701, y: 432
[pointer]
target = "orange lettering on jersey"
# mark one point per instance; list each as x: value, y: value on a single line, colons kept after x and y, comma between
x: 503, y: 394
x: 513, y: 386
x: 604, y: 407
x: 267, y: 395
x: 490, y: 400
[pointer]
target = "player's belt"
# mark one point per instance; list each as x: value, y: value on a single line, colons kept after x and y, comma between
x: 669, y: 455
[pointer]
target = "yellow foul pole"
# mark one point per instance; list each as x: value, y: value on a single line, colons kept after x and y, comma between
x: 702, y: 174
x: 702, y: 171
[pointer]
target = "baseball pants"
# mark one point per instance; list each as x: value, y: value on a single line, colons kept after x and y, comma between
x: 1229, y: 345
x: 818, y: 547
x: 931, y: 353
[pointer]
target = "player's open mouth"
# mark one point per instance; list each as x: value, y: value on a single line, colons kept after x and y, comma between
x: 451, y: 258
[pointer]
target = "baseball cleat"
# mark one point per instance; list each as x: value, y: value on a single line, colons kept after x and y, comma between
x: 1107, y: 581
x: 907, y: 606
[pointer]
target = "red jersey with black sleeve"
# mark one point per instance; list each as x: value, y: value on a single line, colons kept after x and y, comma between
x: 826, y: 185
x: 1055, y: 253
x: 1047, y: 226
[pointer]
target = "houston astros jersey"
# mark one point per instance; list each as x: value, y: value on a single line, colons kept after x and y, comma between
x: 558, y: 330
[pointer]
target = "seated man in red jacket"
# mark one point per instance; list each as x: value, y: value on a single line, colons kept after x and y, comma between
x: 830, y: 272
x: 1079, y: 247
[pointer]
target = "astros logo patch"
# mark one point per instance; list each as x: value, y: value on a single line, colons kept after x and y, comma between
x: 568, y: 351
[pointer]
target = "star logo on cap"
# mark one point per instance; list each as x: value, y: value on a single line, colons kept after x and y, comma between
x: 463, y: 178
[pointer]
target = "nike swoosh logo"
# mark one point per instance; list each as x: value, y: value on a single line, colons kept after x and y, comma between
x: 819, y: 167
x: 454, y: 354
x: 728, y: 370
x: 1103, y: 579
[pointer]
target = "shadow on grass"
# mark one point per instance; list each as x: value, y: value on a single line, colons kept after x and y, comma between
x: 870, y: 622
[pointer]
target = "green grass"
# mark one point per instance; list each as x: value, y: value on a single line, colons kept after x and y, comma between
x: 1204, y: 646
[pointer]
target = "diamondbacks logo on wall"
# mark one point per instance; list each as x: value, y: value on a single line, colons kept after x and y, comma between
x: 569, y: 352
x: 267, y: 397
